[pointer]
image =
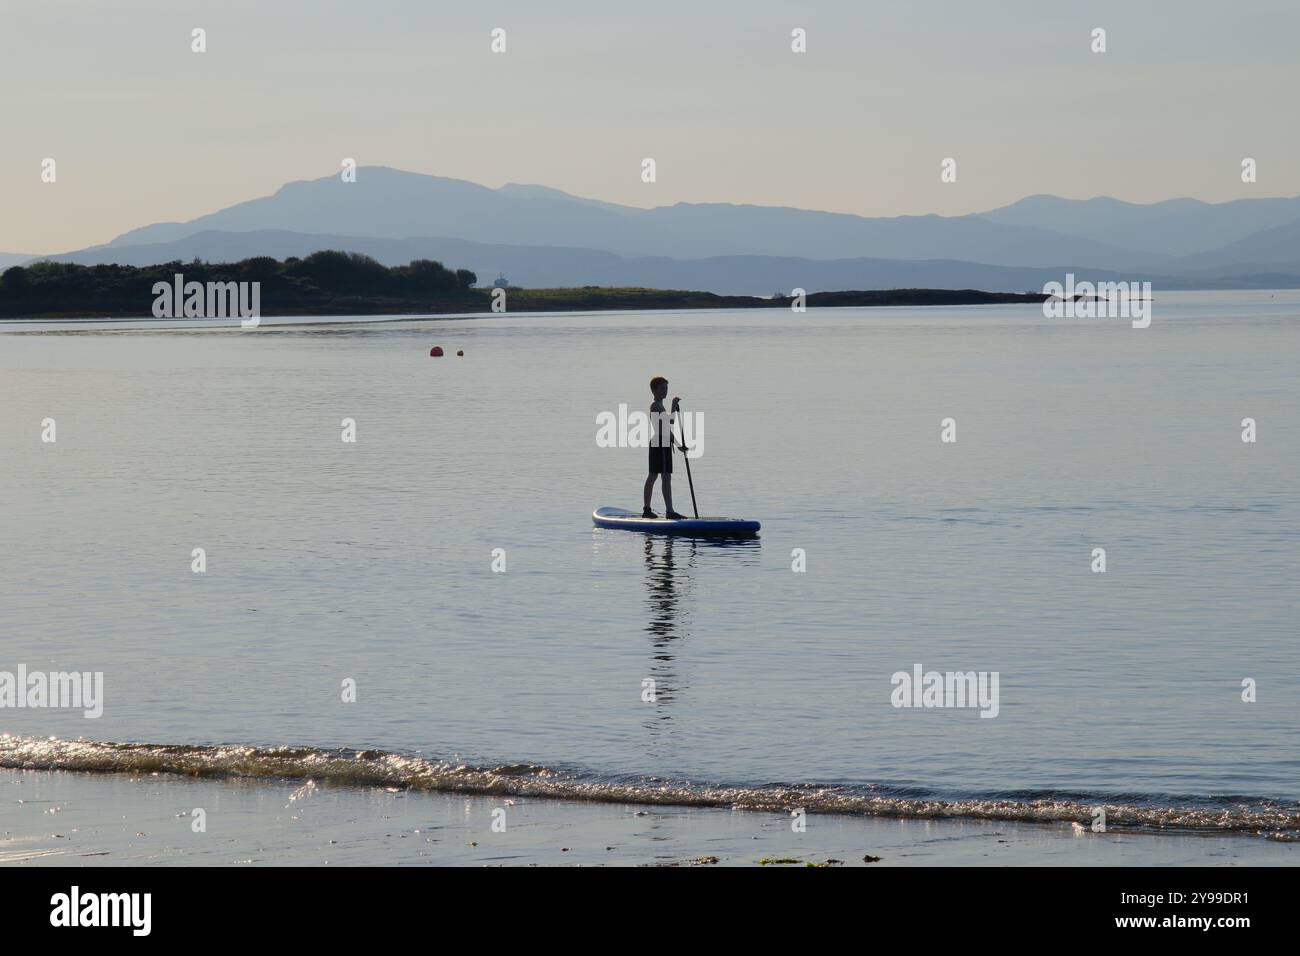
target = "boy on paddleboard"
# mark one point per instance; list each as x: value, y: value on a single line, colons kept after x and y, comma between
x: 661, y: 449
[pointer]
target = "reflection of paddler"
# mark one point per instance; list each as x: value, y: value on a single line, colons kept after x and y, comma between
x: 668, y: 566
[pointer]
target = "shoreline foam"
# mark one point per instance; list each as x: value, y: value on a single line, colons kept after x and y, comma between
x: 1241, y: 816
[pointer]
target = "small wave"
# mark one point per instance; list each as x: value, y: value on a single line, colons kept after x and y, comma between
x: 376, y: 768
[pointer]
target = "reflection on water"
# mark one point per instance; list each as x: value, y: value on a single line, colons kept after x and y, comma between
x: 663, y: 579
x: 672, y: 568
x: 668, y: 563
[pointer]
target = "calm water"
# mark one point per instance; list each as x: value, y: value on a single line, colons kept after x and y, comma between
x: 372, y: 561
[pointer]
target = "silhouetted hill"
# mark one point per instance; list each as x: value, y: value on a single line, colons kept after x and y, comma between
x: 1175, y: 227
x: 390, y: 203
x: 1272, y: 250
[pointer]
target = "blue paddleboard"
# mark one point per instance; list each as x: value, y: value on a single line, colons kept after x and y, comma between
x: 690, y: 527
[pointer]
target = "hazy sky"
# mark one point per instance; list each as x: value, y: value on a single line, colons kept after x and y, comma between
x: 143, y: 130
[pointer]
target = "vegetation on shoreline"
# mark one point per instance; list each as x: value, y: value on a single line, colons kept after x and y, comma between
x: 343, y: 283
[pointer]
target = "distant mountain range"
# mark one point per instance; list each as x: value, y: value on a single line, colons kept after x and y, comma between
x: 544, y: 237
x: 561, y: 267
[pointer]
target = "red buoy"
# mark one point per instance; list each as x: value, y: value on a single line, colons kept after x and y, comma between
x: 435, y: 352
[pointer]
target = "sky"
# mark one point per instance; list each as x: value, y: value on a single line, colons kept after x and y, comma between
x: 143, y: 130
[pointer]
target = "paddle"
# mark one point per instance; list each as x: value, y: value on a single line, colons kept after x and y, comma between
x: 687, y: 459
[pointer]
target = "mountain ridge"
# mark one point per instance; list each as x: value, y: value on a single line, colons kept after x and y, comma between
x: 389, y: 203
x: 522, y: 228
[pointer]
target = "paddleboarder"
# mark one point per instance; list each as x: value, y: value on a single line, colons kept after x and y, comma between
x: 661, y: 448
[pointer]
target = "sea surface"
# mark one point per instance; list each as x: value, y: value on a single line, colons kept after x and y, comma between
x: 373, y: 561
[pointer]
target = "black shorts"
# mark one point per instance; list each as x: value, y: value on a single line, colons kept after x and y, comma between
x: 661, y: 460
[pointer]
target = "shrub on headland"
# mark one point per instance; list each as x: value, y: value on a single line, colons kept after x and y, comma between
x: 313, y: 281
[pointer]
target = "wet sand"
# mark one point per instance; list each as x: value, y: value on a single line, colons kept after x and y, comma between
x: 57, y: 818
